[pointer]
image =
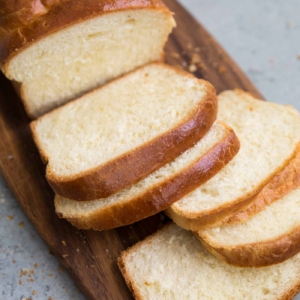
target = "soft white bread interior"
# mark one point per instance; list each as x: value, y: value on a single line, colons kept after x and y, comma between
x: 269, y: 134
x: 160, y: 189
x: 75, y: 59
x: 172, y: 265
x: 122, y: 132
x: 269, y: 237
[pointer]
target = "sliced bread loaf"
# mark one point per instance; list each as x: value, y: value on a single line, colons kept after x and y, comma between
x: 269, y: 237
x: 120, y: 133
x: 157, y: 191
x: 269, y: 134
x: 172, y: 265
x: 57, y: 50
x: 280, y: 185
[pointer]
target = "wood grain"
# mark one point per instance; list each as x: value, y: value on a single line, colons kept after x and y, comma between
x: 89, y: 256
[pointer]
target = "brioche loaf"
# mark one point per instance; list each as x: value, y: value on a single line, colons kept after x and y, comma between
x: 269, y: 237
x: 172, y: 265
x: 120, y: 133
x: 269, y: 134
x: 157, y: 191
x: 55, y: 50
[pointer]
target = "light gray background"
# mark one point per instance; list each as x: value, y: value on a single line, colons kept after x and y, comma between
x: 264, y: 39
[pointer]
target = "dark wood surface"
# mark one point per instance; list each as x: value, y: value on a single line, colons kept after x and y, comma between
x: 93, y: 266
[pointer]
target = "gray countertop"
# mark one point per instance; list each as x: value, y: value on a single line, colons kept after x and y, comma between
x: 264, y: 39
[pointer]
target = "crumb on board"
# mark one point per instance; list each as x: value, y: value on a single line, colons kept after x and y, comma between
x: 65, y: 255
x: 221, y: 69
x: 189, y: 46
x: 175, y: 55
x: 21, y: 224
x: 192, y: 68
x: 34, y: 292
x: 23, y: 272
x: 64, y: 243
x: 298, y: 57
x: 9, y: 217
x: 35, y: 265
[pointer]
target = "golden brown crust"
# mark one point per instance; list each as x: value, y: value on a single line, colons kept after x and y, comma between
x: 161, y: 196
x: 105, y: 180
x: 214, y: 217
x: 25, y: 22
x: 259, y: 254
x: 290, y: 294
x: 129, y: 281
x: 279, y: 186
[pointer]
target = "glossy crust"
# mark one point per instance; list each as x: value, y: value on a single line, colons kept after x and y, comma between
x: 214, y: 217
x: 279, y: 186
x: 159, y: 197
x: 105, y: 180
x: 260, y: 254
x: 25, y: 22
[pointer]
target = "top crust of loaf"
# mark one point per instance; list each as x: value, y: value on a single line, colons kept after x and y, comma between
x: 108, y: 178
x: 25, y: 22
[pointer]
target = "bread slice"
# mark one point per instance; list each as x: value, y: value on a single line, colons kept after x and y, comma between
x: 57, y: 50
x: 279, y: 186
x: 157, y: 191
x: 269, y: 134
x: 269, y: 237
x: 120, y: 133
x: 172, y: 265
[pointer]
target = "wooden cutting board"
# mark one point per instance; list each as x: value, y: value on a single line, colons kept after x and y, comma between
x: 89, y: 256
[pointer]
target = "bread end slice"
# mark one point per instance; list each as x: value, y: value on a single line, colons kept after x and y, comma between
x: 74, y: 46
